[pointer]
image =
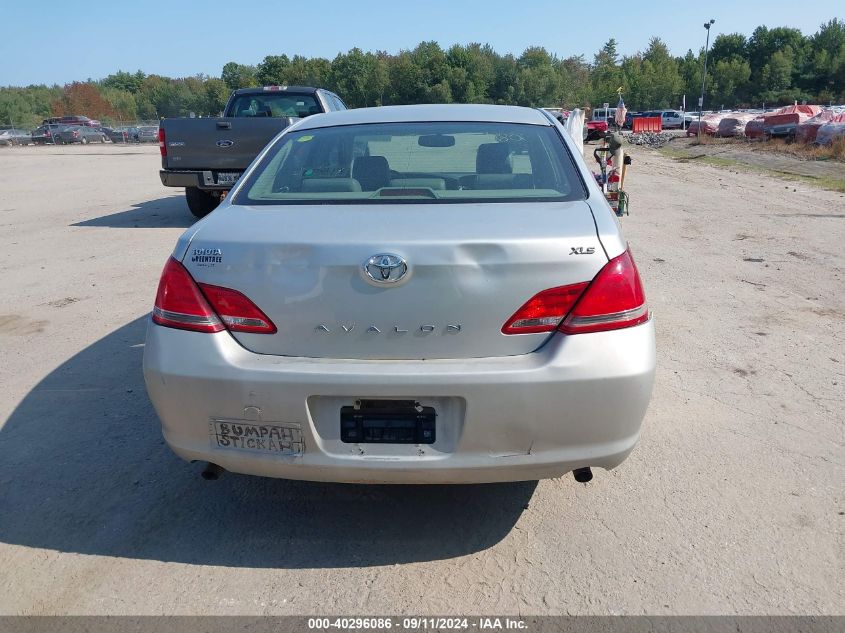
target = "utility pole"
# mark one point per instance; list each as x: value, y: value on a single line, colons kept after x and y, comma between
x: 707, y: 26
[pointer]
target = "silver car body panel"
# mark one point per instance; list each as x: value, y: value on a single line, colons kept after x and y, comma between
x: 578, y: 401
x: 464, y: 271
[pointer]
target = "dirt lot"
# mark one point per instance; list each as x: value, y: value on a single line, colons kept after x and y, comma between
x: 794, y: 162
x: 732, y: 503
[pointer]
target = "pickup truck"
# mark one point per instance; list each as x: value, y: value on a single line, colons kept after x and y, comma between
x: 206, y: 156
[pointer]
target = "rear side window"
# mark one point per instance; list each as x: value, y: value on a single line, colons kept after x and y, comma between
x: 415, y: 162
x: 274, y: 104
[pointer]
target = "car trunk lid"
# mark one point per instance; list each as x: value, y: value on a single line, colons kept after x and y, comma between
x: 469, y: 268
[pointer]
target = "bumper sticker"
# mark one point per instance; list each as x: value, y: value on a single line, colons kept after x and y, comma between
x: 278, y: 438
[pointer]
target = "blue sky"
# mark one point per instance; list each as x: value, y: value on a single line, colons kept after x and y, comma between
x: 45, y: 42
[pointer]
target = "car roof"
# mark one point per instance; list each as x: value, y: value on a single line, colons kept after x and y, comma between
x: 427, y: 113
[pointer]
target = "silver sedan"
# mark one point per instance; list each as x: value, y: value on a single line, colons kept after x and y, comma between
x: 410, y: 294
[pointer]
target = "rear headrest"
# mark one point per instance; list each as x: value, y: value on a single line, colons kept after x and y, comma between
x: 373, y: 172
x: 493, y: 158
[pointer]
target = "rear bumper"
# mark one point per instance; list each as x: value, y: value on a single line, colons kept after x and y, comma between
x: 578, y: 401
x: 201, y: 179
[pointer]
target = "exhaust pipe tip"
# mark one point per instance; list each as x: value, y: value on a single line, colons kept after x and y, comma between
x: 582, y: 475
x: 212, y: 472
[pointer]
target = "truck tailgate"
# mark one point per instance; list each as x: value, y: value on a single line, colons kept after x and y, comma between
x: 218, y: 144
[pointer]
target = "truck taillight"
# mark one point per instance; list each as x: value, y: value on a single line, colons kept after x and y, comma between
x: 162, y: 147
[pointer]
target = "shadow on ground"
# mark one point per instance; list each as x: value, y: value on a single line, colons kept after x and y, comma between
x: 83, y: 469
x: 166, y: 212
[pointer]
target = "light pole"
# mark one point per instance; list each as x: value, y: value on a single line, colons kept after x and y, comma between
x: 707, y: 26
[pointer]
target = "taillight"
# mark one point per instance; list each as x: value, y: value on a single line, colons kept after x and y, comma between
x: 615, y: 299
x: 544, y: 311
x: 183, y: 304
x: 161, y: 146
x: 237, y: 311
x: 180, y: 304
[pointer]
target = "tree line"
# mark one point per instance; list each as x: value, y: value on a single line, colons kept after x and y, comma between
x: 771, y: 66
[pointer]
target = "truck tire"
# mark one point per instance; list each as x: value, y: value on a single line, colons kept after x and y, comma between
x: 200, y: 202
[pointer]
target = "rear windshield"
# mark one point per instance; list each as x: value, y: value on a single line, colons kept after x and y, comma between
x: 415, y: 162
x: 274, y: 104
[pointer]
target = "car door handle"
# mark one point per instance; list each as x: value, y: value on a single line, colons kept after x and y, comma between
x: 224, y: 125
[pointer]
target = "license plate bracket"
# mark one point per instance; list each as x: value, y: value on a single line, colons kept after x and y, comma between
x: 387, y: 422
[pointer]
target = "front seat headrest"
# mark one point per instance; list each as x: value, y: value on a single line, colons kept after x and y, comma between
x: 493, y: 158
x: 373, y: 172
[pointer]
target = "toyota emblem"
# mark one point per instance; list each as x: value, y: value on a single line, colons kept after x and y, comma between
x: 384, y: 268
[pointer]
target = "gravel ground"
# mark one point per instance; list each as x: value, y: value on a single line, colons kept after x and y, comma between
x: 732, y: 503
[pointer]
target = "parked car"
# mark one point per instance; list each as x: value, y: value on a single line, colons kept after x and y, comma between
x: 46, y: 134
x: 123, y: 135
x: 15, y: 136
x: 207, y: 156
x: 472, y: 315
x: 79, y: 134
x: 110, y: 133
x: 147, y: 134
x: 117, y: 135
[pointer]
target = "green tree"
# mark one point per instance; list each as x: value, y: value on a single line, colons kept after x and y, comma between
x: 689, y: 69
x: 122, y: 102
x: 271, y: 71
x: 777, y: 65
x: 237, y: 75
x: 406, y: 80
x: 729, y: 46
x: 730, y: 82
x: 660, y: 82
x: 541, y: 84
x: 359, y: 77
x: 827, y: 68
x: 472, y: 72
x: 606, y: 75
x: 121, y: 80
x: 506, y: 86
x: 776, y: 75
x: 575, y: 82
x: 303, y: 71
x: 216, y: 95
